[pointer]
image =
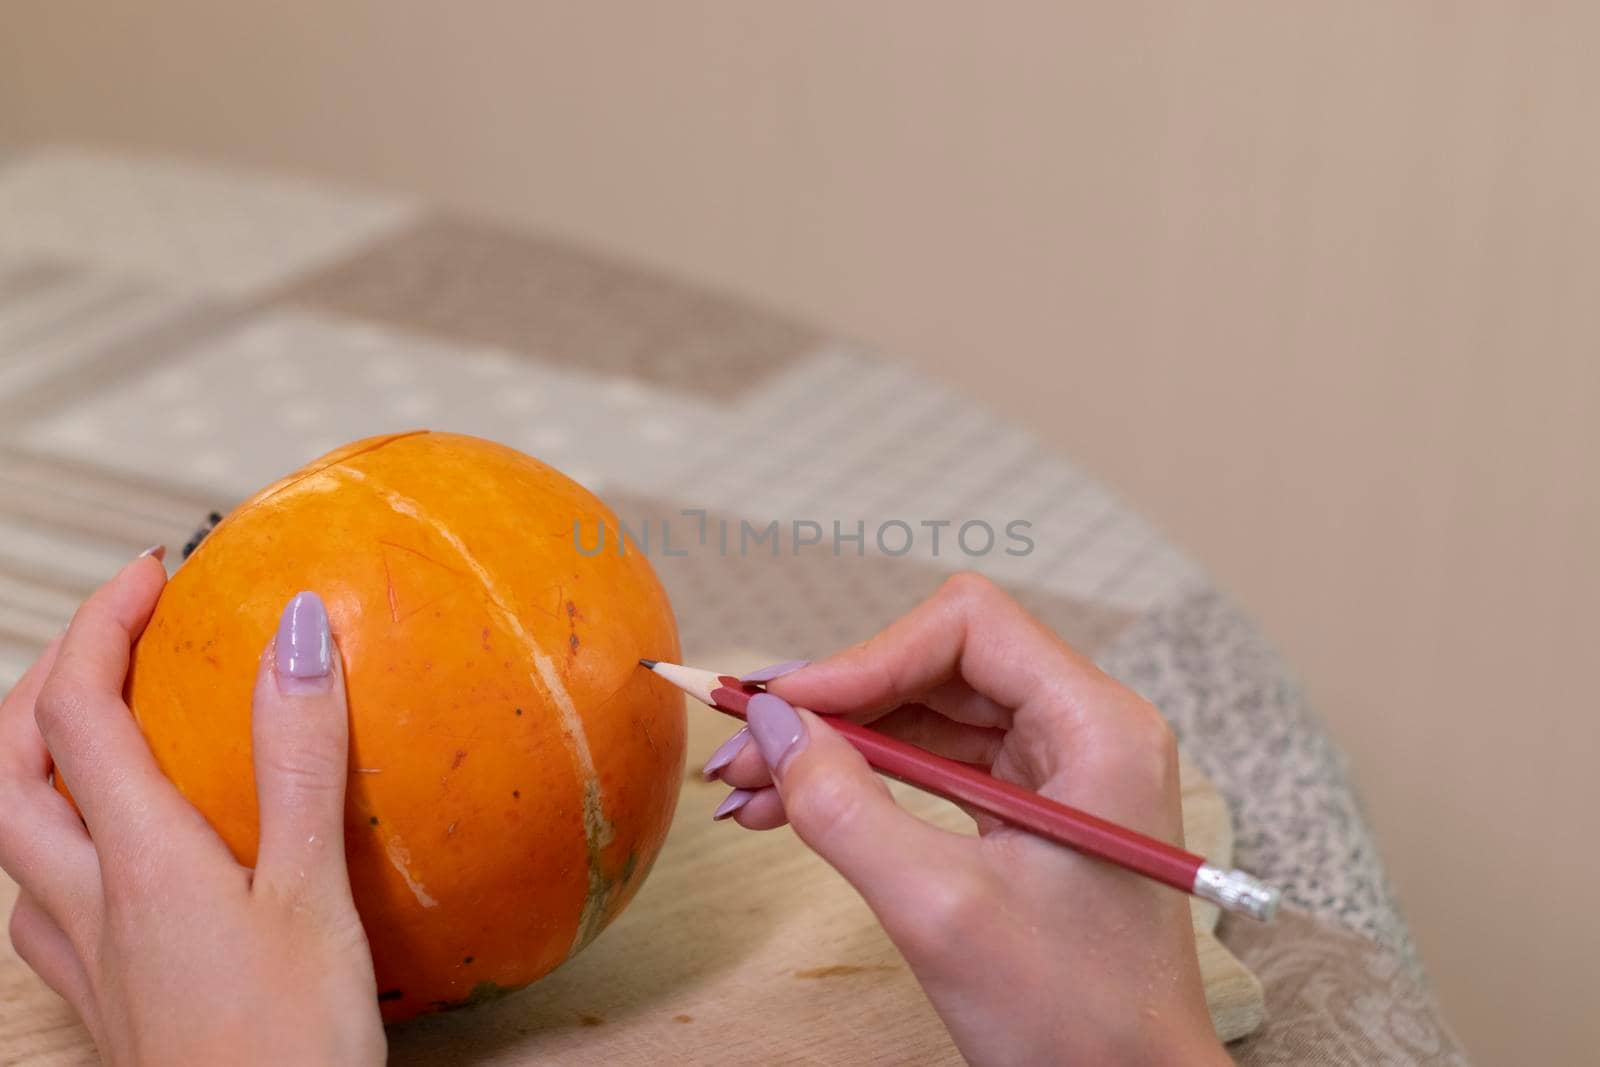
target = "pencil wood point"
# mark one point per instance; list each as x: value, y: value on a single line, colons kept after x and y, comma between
x: 648, y: 664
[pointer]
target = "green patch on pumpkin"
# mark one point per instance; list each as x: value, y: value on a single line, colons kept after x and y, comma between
x: 605, y: 896
x: 482, y: 993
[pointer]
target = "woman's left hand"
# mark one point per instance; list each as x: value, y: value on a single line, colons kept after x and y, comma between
x: 138, y: 914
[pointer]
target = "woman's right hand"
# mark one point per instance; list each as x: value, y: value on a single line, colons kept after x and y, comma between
x: 1030, y: 952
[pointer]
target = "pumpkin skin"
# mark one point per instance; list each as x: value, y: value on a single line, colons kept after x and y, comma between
x: 513, y: 770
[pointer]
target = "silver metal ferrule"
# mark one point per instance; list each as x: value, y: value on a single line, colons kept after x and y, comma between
x: 1236, y: 891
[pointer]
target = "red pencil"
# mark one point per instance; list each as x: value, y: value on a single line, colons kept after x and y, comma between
x: 976, y: 788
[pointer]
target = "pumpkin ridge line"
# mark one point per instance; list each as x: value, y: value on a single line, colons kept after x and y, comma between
x: 338, y: 464
x: 598, y: 831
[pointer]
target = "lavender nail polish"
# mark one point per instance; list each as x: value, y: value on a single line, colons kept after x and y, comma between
x: 725, y: 753
x: 735, y: 800
x: 777, y: 728
x: 777, y: 670
x: 304, y: 647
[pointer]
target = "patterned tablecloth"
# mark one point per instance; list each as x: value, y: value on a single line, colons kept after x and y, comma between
x: 174, y: 336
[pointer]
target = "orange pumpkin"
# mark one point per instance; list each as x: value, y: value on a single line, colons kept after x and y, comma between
x: 513, y: 771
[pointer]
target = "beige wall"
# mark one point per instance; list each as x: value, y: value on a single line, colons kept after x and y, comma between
x: 1316, y: 286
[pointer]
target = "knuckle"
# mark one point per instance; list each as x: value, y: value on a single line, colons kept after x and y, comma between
x: 303, y: 770
x: 1150, y: 729
x: 342, y: 933
x: 953, y: 904
x: 1155, y: 733
x: 295, y: 898
x: 322, y: 910
x: 60, y: 704
x: 17, y: 930
x: 1147, y: 748
x: 131, y: 870
x: 829, y: 806
x: 28, y: 930
x: 952, y: 912
x: 969, y: 587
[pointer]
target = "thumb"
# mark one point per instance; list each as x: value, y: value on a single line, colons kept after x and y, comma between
x: 842, y: 810
x: 300, y: 732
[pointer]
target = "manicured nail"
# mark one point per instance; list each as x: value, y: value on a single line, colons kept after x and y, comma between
x: 158, y: 551
x: 777, y: 728
x: 305, y: 649
x: 777, y: 670
x: 735, y: 800
x: 725, y: 753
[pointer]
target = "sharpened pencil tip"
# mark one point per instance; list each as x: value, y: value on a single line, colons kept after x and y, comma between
x: 648, y: 664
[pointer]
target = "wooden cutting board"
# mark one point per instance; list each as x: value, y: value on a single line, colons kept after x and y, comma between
x: 741, y: 948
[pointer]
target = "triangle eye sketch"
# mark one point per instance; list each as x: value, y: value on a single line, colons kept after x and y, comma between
x: 416, y: 581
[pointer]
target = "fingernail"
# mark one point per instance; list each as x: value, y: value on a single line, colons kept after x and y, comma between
x: 725, y: 753
x: 777, y: 670
x: 158, y: 551
x: 305, y: 649
x: 777, y: 728
x: 735, y: 800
